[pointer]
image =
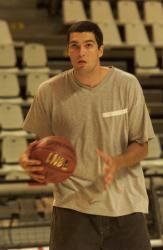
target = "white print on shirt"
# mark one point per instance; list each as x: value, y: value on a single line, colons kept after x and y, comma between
x: 114, y: 113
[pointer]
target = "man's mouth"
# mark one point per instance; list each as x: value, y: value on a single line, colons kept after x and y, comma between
x: 81, y: 61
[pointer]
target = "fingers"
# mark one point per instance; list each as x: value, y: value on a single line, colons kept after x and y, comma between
x: 106, y: 158
x: 34, y: 168
x: 31, y: 165
x: 27, y: 162
x: 108, y: 170
x: 38, y: 178
x: 108, y: 176
x: 31, y: 145
x: 37, y: 173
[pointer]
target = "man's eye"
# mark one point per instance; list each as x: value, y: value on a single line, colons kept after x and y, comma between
x: 88, y: 45
x: 73, y: 46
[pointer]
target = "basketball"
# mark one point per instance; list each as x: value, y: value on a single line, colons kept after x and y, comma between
x: 57, y: 156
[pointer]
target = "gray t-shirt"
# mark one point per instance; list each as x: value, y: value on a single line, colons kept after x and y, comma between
x: 109, y: 116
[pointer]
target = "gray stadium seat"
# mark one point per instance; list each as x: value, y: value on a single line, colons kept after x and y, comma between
x: 11, y: 149
x: 101, y: 7
x: 33, y: 80
x: 5, y: 34
x: 73, y: 11
x: 128, y: 12
x: 153, y: 12
x: 154, y: 161
x: 9, y: 89
x: 111, y: 34
x: 135, y: 34
x: 157, y: 34
x: 146, y: 61
x: 35, y: 58
x: 11, y: 120
x: 16, y: 174
x: 8, y: 58
x: 154, y: 149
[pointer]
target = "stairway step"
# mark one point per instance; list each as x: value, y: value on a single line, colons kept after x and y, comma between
x: 31, y: 15
x: 18, y: 4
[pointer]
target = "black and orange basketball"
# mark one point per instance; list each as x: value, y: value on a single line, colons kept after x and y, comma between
x: 57, y: 156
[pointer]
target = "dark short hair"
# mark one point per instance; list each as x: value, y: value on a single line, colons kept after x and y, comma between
x: 86, y: 26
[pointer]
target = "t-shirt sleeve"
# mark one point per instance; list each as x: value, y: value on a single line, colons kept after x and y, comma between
x: 140, y: 125
x: 37, y: 120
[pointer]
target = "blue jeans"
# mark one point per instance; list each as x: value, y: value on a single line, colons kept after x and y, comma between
x: 72, y: 230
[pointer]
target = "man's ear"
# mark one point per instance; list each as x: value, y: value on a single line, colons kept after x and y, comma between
x: 101, y: 51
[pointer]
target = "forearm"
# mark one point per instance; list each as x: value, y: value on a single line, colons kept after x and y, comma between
x: 135, y: 153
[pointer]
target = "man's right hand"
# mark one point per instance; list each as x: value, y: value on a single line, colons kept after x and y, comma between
x: 34, y: 168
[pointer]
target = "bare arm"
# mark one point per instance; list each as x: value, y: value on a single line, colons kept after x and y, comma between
x: 134, y: 154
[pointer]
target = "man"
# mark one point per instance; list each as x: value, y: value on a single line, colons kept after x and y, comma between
x: 101, y: 110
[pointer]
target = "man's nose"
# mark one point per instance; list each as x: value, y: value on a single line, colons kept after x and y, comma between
x: 82, y: 50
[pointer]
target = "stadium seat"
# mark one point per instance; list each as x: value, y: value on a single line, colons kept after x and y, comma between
x: 146, y: 61
x: 153, y: 12
x: 9, y: 89
x: 154, y: 161
x: 111, y: 34
x: 135, y: 34
x: 8, y: 58
x: 5, y: 34
x: 35, y: 58
x: 73, y: 11
x: 11, y: 120
x: 11, y: 149
x: 14, y: 173
x: 33, y: 80
x: 157, y: 33
x: 101, y: 7
x: 154, y: 149
x: 128, y: 12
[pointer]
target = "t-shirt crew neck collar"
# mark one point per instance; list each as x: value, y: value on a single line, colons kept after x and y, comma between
x: 81, y: 85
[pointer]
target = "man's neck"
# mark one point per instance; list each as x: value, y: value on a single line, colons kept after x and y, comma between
x: 92, y: 79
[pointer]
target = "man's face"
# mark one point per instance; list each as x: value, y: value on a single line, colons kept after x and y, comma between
x: 84, y: 52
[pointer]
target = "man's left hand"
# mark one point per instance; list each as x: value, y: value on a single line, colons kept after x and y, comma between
x: 110, y: 167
